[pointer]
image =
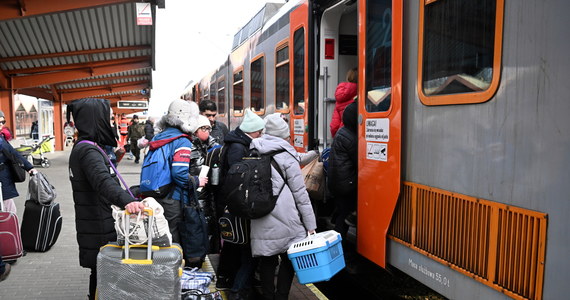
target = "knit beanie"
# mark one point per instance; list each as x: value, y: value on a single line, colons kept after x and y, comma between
x: 276, y: 126
x: 251, y: 122
x: 1, y: 114
x: 203, y: 121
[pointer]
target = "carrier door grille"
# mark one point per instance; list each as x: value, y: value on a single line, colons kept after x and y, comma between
x: 498, y: 245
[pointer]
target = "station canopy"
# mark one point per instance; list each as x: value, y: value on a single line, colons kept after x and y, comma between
x: 70, y: 49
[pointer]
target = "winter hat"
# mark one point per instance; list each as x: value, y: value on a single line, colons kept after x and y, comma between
x: 276, y: 126
x: 203, y: 121
x: 251, y: 122
x: 1, y: 114
x: 185, y: 111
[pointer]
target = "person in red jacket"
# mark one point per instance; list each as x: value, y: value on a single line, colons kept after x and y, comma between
x: 344, y: 95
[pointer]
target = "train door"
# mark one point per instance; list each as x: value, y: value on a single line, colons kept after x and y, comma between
x: 380, y: 116
x: 337, y: 55
x: 299, y: 77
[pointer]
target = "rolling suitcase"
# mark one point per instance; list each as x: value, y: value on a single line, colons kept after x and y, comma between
x: 10, y: 240
x: 41, y: 225
x: 139, y: 271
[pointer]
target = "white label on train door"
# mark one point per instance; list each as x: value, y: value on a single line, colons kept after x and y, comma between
x: 377, y: 151
x: 377, y: 130
x: 298, y: 141
x: 299, y: 126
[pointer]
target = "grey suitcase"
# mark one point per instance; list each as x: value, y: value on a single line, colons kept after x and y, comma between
x: 139, y: 272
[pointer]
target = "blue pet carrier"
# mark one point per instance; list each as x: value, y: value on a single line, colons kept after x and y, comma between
x: 318, y: 257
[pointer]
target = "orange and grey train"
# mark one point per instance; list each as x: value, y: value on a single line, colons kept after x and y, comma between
x: 464, y: 142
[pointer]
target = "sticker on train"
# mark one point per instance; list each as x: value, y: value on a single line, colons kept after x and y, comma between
x: 377, y: 151
x: 378, y: 130
x: 299, y: 126
x: 298, y: 141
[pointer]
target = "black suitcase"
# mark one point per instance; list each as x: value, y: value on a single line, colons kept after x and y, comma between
x: 41, y: 225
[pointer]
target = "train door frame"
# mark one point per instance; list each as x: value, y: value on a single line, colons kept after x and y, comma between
x: 331, y: 72
x: 299, y: 122
x: 379, y: 172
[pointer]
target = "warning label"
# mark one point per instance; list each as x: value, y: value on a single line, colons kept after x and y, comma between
x: 377, y: 130
x: 377, y: 151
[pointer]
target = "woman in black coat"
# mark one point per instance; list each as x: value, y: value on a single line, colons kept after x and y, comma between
x: 343, y: 168
x: 8, y: 187
x: 94, y: 183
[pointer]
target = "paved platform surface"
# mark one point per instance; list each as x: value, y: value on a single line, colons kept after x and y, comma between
x: 56, y: 274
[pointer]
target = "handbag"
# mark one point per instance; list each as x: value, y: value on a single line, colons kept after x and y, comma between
x: 15, y: 165
x: 137, y: 229
x: 314, y: 176
x: 193, y: 231
x: 234, y: 229
x: 40, y: 190
x: 142, y: 143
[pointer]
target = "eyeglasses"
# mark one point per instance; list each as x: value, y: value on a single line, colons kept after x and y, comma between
x: 210, y: 115
x: 205, y: 128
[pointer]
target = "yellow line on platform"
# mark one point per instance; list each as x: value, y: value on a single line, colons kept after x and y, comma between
x: 316, y: 291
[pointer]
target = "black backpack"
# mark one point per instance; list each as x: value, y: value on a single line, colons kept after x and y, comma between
x: 247, y: 187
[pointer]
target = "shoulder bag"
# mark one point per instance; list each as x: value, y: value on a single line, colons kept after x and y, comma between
x: 15, y: 165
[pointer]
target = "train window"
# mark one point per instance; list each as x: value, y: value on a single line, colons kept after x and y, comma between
x: 379, y: 55
x: 213, y: 90
x: 282, y: 78
x: 257, y: 82
x: 459, y: 51
x: 299, y: 71
x: 238, y: 93
x: 221, y: 96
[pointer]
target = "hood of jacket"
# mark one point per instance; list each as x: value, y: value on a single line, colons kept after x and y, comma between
x: 166, y: 136
x: 237, y: 136
x: 268, y: 143
x: 345, y: 92
x: 350, y: 117
x: 92, y: 119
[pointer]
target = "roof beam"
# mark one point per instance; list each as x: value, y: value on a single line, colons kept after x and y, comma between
x: 75, y: 53
x: 66, y: 97
x: 77, y: 65
x: 36, y: 92
x: 104, y: 79
x: 86, y: 72
x: 108, y: 86
x: 11, y: 9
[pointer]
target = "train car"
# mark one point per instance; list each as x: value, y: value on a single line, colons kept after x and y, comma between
x: 463, y: 149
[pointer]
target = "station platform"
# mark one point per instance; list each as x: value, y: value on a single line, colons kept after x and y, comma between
x: 56, y: 274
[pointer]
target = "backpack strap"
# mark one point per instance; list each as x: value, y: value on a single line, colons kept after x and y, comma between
x: 112, y: 166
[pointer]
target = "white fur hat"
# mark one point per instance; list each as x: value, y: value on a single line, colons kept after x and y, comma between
x: 276, y: 126
x: 185, y: 111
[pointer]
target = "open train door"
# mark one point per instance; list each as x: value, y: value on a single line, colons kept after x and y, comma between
x: 299, y: 99
x: 380, y: 122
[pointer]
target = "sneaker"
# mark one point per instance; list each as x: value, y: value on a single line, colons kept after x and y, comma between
x: 4, y: 275
x: 223, y: 283
x: 351, y: 219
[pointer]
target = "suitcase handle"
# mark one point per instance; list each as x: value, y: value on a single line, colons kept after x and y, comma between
x: 150, y: 212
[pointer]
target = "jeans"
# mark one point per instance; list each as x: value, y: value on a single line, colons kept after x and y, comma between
x: 267, y: 265
x: 173, y: 214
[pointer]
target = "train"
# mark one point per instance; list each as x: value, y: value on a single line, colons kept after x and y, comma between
x: 463, y: 142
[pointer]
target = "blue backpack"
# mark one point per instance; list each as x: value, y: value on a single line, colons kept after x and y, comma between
x: 156, y: 180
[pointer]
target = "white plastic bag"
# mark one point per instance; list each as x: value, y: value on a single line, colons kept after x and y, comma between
x: 142, y: 143
x: 137, y: 231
